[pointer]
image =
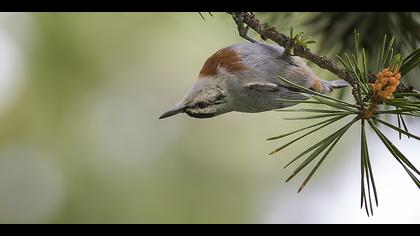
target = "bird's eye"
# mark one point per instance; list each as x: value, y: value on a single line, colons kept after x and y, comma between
x: 202, y: 105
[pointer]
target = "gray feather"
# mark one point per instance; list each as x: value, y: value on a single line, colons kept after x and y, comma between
x: 335, y: 84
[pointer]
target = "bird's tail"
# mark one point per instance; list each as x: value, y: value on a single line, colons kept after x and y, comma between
x: 329, y: 86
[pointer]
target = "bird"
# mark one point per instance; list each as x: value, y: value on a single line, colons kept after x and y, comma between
x: 244, y: 77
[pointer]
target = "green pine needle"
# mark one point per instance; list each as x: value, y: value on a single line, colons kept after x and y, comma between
x: 306, y: 134
x: 410, y: 62
x: 397, y: 155
x: 335, y: 139
x: 367, y: 174
x: 397, y: 129
x: 327, y: 139
x: 299, y: 130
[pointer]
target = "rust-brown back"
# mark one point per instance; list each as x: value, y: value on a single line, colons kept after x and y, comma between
x: 226, y: 58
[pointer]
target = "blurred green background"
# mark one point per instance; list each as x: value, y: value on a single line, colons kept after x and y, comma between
x: 80, y: 142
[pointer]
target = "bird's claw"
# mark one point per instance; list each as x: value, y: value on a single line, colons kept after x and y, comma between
x: 242, y: 29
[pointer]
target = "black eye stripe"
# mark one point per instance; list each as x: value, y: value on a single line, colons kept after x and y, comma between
x: 218, y: 100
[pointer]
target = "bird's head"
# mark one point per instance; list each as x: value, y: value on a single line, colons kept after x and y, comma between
x: 209, y: 95
x: 204, y: 100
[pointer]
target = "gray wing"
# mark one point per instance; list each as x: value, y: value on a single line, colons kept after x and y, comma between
x: 278, y: 90
x: 266, y: 62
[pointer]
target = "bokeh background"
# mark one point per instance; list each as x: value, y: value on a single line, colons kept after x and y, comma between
x: 80, y: 139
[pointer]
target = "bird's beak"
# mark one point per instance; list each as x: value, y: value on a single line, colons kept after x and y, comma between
x: 177, y: 109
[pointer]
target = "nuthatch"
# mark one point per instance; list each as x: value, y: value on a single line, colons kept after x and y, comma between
x: 244, y: 78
